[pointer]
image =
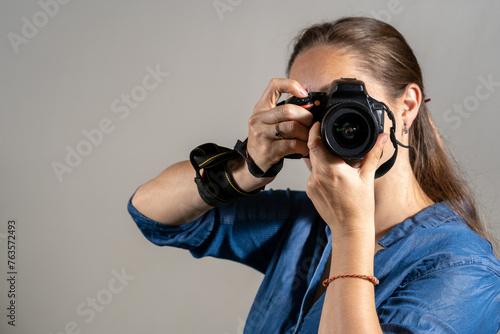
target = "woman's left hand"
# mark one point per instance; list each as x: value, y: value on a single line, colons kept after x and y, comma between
x: 343, y: 194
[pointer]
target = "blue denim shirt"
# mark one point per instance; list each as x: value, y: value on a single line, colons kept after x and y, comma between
x: 436, y: 275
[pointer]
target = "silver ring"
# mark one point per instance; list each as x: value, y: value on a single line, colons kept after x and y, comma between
x: 276, y: 131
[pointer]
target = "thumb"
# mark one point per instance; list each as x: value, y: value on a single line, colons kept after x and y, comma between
x: 372, y: 158
x: 318, y: 153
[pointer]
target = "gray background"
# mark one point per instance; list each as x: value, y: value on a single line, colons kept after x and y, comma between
x: 74, y: 235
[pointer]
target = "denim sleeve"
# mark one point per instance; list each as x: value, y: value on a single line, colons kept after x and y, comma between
x: 463, y: 298
x: 247, y: 231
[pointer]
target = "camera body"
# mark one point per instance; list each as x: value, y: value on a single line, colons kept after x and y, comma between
x: 350, y: 119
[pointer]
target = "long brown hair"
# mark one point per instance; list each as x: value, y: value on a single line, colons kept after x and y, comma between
x: 383, y: 53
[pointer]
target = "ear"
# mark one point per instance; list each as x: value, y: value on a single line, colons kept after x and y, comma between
x: 412, y: 99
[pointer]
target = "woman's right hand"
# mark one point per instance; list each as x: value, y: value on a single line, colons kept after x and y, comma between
x: 172, y: 197
x: 291, y: 121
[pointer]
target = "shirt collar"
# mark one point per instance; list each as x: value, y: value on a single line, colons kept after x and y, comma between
x: 431, y: 217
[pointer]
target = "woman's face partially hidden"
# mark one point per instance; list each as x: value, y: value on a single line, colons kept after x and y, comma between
x: 317, y: 67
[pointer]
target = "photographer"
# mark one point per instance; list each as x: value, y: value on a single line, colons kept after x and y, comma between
x: 387, y: 242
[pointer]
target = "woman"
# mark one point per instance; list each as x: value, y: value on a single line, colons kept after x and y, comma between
x: 402, y: 253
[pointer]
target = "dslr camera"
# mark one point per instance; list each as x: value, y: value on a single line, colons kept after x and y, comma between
x: 350, y: 119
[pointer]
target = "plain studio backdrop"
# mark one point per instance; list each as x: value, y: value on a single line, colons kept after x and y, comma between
x: 98, y: 97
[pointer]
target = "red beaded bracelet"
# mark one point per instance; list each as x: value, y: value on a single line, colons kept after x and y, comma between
x: 370, y: 278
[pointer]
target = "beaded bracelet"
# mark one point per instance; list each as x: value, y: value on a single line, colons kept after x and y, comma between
x: 370, y: 278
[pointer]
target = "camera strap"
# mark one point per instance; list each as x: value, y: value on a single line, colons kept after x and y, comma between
x: 386, y: 166
x: 216, y: 185
x: 241, y: 148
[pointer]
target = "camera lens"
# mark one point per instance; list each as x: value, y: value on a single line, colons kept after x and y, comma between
x: 348, y: 130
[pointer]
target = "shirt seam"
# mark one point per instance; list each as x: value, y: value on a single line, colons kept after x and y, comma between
x: 393, y: 240
x: 454, y: 265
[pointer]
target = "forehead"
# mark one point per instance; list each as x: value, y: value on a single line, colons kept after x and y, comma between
x: 317, y: 67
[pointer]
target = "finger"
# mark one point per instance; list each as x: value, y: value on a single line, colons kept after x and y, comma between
x: 283, y: 113
x: 291, y: 146
x: 372, y: 158
x: 275, y: 88
x: 291, y: 130
x: 318, y: 153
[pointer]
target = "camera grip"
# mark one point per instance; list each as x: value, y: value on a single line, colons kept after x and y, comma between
x: 296, y: 156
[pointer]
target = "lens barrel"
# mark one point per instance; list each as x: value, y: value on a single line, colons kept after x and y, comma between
x: 349, y: 130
